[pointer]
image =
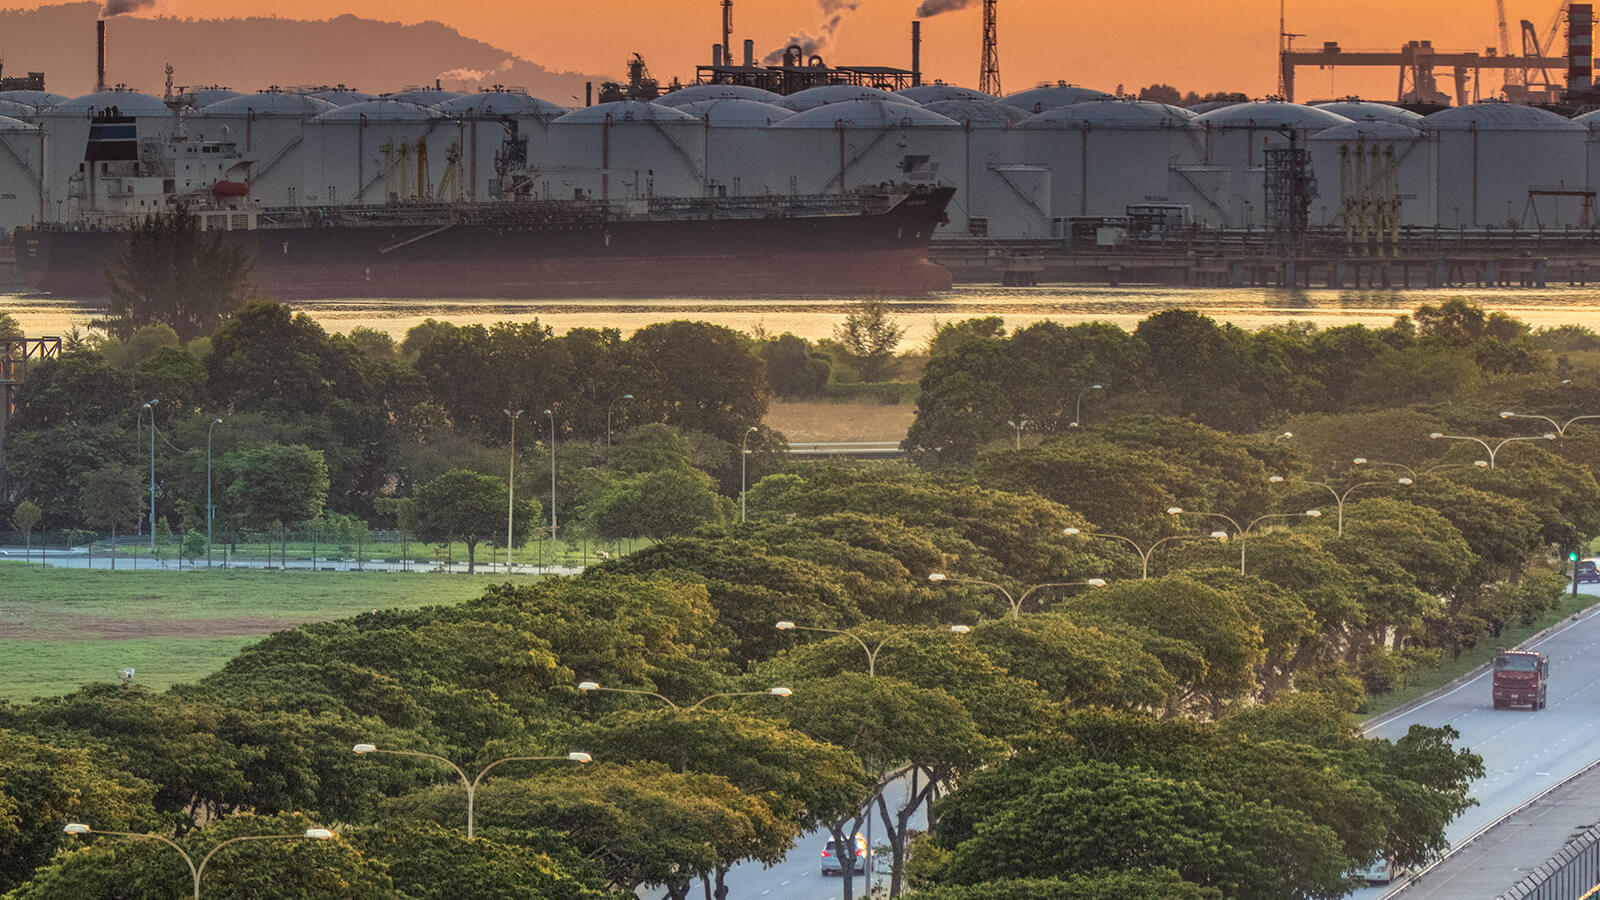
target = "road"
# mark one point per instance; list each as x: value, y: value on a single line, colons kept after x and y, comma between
x: 1524, y: 753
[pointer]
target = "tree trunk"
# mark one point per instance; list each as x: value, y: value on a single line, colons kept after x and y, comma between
x: 721, y: 892
x: 113, y: 546
x: 472, y: 547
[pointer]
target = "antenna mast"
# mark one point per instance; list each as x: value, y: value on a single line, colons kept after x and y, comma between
x: 989, y: 73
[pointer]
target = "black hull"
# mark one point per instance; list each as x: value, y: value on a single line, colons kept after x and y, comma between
x: 883, y: 253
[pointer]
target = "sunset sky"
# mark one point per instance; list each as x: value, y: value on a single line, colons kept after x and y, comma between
x: 1204, y: 46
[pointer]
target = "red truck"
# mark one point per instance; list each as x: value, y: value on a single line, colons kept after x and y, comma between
x: 1520, y: 678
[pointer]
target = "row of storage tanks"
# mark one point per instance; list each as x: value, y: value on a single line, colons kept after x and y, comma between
x: 1023, y: 165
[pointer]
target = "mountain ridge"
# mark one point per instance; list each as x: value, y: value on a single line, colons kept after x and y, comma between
x: 250, y: 54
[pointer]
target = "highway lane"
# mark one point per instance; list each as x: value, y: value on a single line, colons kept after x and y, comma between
x: 1524, y: 752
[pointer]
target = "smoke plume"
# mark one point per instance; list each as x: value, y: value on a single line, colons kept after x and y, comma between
x: 462, y: 73
x: 935, y: 7
x: 811, y: 44
x: 118, y: 7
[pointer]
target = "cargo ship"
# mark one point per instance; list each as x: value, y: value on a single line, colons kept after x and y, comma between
x: 862, y: 242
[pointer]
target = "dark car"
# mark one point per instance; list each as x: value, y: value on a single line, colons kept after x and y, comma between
x: 833, y: 857
x: 1587, y: 572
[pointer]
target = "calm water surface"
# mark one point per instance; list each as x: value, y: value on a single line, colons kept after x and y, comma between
x: 815, y: 317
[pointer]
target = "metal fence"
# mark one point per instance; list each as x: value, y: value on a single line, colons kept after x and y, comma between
x: 1572, y: 874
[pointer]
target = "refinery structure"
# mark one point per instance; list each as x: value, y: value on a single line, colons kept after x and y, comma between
x: 1053, y: 167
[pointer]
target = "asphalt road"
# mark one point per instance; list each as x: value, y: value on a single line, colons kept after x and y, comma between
x: 1524, y: 753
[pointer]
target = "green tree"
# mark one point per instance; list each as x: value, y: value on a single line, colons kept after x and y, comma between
x: 407, y: 521
x: 111, y: 497
x: 275, y: 486
x: 428, y: 861
x: 794, y: 372
x: 465, y: 506
x: 697, y: 377
x: 170, y: 271
x: 26, y: 516
x: 194, y: 545
x: 869, y: 335
x: 658, y: 505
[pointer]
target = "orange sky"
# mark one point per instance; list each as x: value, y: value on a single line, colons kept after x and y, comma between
x: 1202, y: 45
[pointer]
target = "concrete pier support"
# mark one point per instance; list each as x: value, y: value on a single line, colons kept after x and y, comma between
x: 1541, y: 273
x: 1236, y: 273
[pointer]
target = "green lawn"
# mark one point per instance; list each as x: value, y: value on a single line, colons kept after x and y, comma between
x: 62, y: 628
x: 1427, y: 680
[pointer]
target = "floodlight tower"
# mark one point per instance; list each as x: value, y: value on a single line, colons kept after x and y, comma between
x: 989, y: 73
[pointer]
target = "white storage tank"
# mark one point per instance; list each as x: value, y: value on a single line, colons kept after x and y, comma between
x: 21, y: 174
x: 35, y: 99
x: 939, y: 92
x: 1492, y: 155
x: 1370, y: 162
x: 339, y: 95
x: 423, y: 96
x: 1046, y: 97
x: 66, y: 126
x: 741, y: 157
x: 695, y: 93
x: 1107, y: 155
x: 486, y: 121
x: 624, y: 150
x: 1368, y: 111
x: 989, y: 204
x: 1236, y: 140
x: 202, y: 97
x: 811, y: 98
x: 366, y: 153
x: 839, y: 146
x: 268, y: 129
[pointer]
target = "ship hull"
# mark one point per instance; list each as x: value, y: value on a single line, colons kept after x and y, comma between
x: 882, y: 253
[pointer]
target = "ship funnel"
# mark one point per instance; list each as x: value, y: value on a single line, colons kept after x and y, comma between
x: 100, y: 55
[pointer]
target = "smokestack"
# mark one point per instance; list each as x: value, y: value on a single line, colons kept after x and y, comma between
x: 588, y: 93
x: 916, y: 53
x: 727, y: 32
x: 1580, y: 48
x: 100, y: 55
x: 716, y: 55
x: 749, y: 53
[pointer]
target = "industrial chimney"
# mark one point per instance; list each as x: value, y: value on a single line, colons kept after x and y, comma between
x: 916, y: 53
x: 100, y: 55
x: 1580, y: 48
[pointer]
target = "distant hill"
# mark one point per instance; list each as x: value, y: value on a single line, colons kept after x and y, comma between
x: 251, y: 54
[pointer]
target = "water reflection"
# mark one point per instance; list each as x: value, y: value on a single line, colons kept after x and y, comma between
x: 815, y: 317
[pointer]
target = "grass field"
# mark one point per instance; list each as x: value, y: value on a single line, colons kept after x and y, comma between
x: 816, y: 421
x: 63, y: 628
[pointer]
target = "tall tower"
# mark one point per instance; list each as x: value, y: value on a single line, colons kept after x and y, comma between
x: 989, y: 74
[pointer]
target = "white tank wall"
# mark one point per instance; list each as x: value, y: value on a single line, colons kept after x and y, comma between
x: 1101, y: 171
x: 1416, y: 157
x: 869, y: 155
x: 275, y: 144
x: 21, y: 165
x: 344, y: 160
x: 646, y: 158
x: 1485, y: 173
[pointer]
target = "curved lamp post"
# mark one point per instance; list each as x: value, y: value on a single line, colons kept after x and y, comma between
x: 1560, y: 427
x: 608, y: 415
x: 315, y: 834
x: 1017, y: 424
x: 1243, y: 532
x: 472, y: 784
x: 1282, y: 437
x: 1077, y: 413
x: 210, y: 509
x: 1549, y: 436
x: 1144, y: 552
x: 552, y: 417
x: 511, y: 481
x: 1016, y: 601
x: 871, y: 651
x: 1339, y: 498
x: 1413, y: 473
x: 587, y: 686
x: 744, y: 460
x: 152, y: 407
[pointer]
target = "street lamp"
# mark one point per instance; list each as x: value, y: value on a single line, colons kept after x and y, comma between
x: 1145, y: 552
x: 1339, y: 498
x: 872, y: 652
x: 1016, y: 602
x: 1244, y: 532
x: 1561, y: 428
x: 744, y: 458
x: 315, y: 834
x: 511, y: 482
x: 1413, y: 473
x: 1282, y: 437
x: 152, y: 407
x: 552, y: 417
x: 588, y: 686
x: 210, y: 509
x: 472, y: 785
x: 1017, y: 424
x: 1549, y: 436
x: 1077, y: 414
x: 608, y: 415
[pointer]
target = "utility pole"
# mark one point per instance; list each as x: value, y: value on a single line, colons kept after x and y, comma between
x: 989, y: 72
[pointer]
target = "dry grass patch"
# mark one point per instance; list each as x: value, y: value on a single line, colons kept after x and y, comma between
x: 817, y: 421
